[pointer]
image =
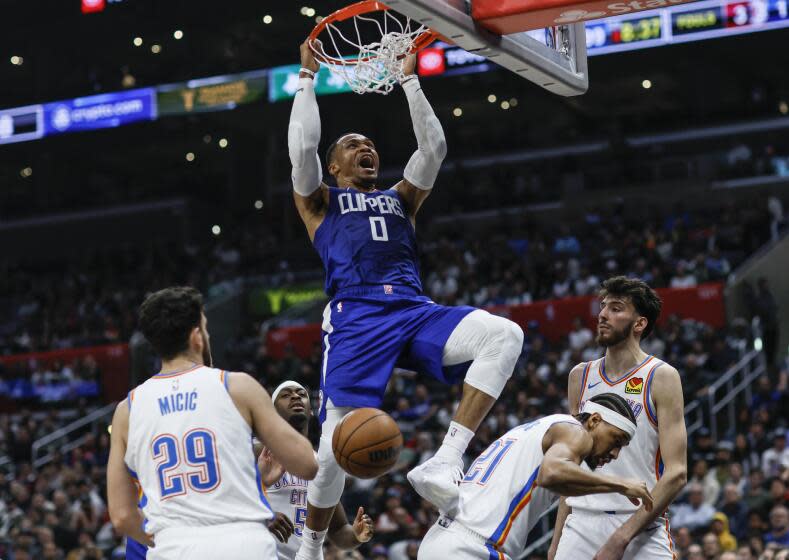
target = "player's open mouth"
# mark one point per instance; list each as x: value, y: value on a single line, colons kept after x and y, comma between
x: 298, y: 407
x: 367, y: 162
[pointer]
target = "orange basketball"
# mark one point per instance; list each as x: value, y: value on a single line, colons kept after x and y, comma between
x: 367, y: 443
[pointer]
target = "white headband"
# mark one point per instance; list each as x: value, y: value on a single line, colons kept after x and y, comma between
x: 611, y: 416
x: 287, y: 385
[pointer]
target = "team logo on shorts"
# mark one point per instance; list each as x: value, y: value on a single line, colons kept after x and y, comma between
x: 634, y: 386
x: 388, y: 289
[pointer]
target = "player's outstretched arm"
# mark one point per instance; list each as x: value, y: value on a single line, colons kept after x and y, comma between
x: 573, y: 398
x: 422, y: 169
x: 560, y: 471
x: 125, y: 516
x: 304, y: 135
x: 346, y: 536
x: 670, y: 409
x: 288, y: 446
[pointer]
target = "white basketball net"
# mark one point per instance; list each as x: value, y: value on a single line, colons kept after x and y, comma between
x: 379, y: 65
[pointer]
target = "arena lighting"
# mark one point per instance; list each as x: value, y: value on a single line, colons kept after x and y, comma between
x: 310, y: 12
x: 216, y: 230
x: 646, y: 84
x: 258, y: 205
x: 267, y: 19
x: 505, y: 105
x: 190, y: 156
x: 137, y: 41
x: 26, y: 172
x: 757, y: 344
x: 783, y: 107
x: 156, y: 49
x: 207, y: 138
x: 513, y: 102
x: 223, y: 142
x: 491, y: 98
x: 457, y: 111
x: 17, y: 60
x: 178, y: 34
x: 93, y: 6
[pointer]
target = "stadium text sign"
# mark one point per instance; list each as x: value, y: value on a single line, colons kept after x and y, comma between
x: 219, y: 93
x: 100, y: 111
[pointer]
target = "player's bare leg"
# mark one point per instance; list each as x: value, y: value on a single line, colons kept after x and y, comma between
x: 473, y: 408
x: 494, y: 344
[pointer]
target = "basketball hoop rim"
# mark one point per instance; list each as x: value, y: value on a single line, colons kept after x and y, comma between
x: 353, y: 10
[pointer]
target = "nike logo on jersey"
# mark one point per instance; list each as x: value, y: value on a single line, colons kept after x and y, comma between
x: 593, y: 385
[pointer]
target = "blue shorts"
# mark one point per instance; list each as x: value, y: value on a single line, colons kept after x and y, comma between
x: 135, y: 550
x: 367, y: 331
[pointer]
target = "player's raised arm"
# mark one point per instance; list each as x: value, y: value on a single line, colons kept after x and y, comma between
x: 422, y: 169
x: 669, y: 405
x: 304, y: 135
x: 561, y: 473
x: 288, y: 446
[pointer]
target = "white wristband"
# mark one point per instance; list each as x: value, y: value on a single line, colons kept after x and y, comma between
x: 307, y: 71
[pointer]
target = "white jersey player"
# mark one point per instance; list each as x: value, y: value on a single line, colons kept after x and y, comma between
x: 287, y: 495
x: 186, y: 436
x: 513, y: 482
x: 604, y: 526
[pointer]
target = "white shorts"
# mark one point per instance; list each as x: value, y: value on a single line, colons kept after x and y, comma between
x: 240, y: 541
x: 586, y: 532
x: 454, y: 542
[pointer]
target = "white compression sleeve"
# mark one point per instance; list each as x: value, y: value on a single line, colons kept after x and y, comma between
x: 423, y: 167
x: 304, y: 135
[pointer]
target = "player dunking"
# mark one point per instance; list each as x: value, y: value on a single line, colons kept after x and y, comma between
x: 287, y: 495
x: 606, y: 526
x: 186, y: 436
x: 512, y: 483
x: 378, y: 316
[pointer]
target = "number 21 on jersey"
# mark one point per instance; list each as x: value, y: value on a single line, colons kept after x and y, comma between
x: 198, y: 451
x: 488, y: 461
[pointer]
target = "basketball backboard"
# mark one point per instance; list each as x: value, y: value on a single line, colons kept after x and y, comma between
x: 557, y: 64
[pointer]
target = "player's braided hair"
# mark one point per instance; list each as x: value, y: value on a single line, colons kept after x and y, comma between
x: 612, y: 401
x: 168, y: 316
x: 643, y: 298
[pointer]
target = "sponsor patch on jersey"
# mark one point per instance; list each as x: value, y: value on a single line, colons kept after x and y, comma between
x: 634, y: 386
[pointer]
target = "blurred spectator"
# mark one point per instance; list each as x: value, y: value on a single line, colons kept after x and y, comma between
x: 779, y: 526
x: 776, y: 458
x: 696, y: 514
x: 720, y: 528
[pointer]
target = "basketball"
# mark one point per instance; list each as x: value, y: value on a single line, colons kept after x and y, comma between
x: 367, y: 443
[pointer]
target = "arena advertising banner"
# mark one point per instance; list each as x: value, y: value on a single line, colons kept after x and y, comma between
x: 268, y: 301
x: 552, y: 318
x: 284, y: 81
x: 19, y: 386
x: 21, y: 124
x: 100, y: 111
x: 219, y: 93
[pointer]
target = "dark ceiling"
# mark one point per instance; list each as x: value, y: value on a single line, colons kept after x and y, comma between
x: 67, y: 54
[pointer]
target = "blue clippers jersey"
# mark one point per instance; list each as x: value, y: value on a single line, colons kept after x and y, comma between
x: 367, y: 239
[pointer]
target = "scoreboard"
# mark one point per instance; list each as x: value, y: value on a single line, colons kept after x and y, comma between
x: 688, y: 22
